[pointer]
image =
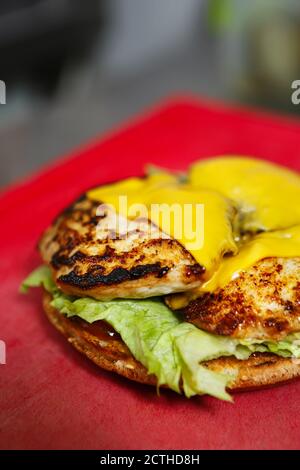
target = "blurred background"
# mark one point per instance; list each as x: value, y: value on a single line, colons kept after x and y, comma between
x: 74, y: 69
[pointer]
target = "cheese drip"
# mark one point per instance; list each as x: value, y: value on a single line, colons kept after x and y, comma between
x: 205, y: 230
x: 282, y: 243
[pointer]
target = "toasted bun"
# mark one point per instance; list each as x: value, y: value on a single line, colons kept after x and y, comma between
x: 105, y: 348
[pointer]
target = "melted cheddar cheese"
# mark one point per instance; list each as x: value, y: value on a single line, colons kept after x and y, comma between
x: 239, y: 196
x: 268, y: 196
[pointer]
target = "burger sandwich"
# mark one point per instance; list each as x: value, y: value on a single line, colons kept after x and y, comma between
x: 190, y: 282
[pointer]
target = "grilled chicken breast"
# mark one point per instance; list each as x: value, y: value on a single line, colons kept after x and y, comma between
x: 88, y: 257
x: 262, y: 303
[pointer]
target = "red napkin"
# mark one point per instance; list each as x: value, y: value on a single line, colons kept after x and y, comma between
x: 51, y: 396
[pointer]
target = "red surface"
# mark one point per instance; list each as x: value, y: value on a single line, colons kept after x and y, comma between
x: 51, y: 396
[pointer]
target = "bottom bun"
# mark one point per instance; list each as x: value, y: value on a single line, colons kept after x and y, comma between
x: 102, y: 345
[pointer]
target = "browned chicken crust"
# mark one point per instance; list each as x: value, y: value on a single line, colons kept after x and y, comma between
x: 86, y: 260
x: 262, y: 303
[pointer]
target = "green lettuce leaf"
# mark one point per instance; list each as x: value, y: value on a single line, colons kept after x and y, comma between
x: 171, y: 349
x: 159, y: 340
x: 287, y: 347
x: 39, y: 277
